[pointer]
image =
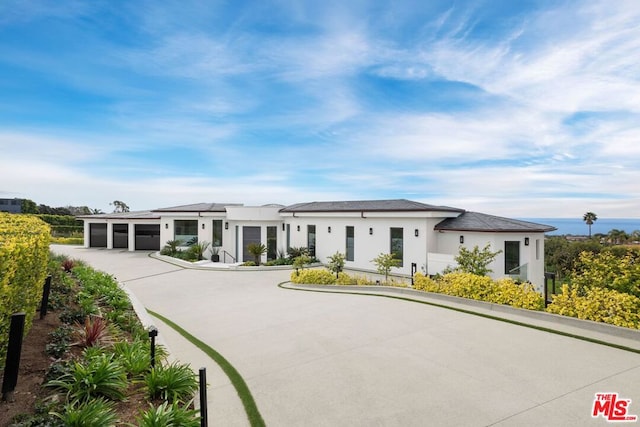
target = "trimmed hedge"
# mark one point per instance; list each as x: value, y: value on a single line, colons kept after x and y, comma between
x: 482, y: 288
x: 597, y: 304
x: 24, y: 255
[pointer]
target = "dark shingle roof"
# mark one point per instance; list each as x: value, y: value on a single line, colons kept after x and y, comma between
x: 199, y: 207
x: 475, y: 221
x: 367, y: 206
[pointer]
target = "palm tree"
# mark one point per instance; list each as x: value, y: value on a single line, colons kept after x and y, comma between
x: 590, y: 218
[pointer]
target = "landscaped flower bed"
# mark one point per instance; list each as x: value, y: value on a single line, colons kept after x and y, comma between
x: 101, y: 373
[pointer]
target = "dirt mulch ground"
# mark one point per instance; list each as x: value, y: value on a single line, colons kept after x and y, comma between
x: 34, y: 364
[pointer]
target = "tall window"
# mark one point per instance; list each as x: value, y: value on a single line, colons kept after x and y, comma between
x: 186, y: 231
x: 350, y: 243
x: 272, y: 243
x: 311, y: 240
x: 288, y: 237
x: 217, y: 233
x: 397, y: 244
x: 537, y: 248
x: 511, y: 256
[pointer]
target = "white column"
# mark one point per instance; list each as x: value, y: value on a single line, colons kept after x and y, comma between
x: 109, y: 235
x: 132, y: 237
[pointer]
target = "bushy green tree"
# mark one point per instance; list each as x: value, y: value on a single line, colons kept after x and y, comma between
x: 475, y: 261
x: 336, y: 263
x: 561, y: 254
x: 301, y: 261
x: 384, y: 263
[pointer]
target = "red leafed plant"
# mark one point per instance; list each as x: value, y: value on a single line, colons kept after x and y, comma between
x: 68, y: 264
x: 94, y: 332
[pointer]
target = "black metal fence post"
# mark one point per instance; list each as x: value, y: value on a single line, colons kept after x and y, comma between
x: 153, y: 333
x: 414, y: 270
x: 14, y: 349
x: 549, y: 276
x: 46, y: 290
x: 204, y: 417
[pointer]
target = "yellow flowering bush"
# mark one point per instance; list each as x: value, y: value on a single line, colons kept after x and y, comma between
x: 24, y: 255
x: 597, y: 304
x: 313, y: 276
x: 482, y: 288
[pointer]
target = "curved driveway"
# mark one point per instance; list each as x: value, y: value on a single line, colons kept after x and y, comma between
x: 313, y: 359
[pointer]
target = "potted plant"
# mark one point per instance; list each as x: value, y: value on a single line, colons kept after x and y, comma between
x: 215, y: 254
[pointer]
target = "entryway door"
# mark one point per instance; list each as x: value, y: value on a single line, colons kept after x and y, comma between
x: 249, y: 235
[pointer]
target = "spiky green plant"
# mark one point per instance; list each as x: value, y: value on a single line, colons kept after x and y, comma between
x: 169, y: 415
x: 93, y: 413
x: 99, y: 376
x: 174, y: 382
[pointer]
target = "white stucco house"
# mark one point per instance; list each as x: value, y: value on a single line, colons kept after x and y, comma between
x: 424, y: 237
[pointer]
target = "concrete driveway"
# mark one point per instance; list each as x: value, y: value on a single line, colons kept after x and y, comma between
x: 313, y: 359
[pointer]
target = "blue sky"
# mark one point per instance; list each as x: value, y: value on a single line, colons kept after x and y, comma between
x: 514, y: 108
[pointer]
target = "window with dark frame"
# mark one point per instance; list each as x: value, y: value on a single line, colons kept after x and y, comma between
x: 350, y: 244
x: 511, y: 256
x: 311, y: 240
x: 272, y: 243
x: 217, y: 233
x: 397, y: 244
x: 186, y: 231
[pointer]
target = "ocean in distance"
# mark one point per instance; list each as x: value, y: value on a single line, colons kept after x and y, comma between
x: 577, y: 227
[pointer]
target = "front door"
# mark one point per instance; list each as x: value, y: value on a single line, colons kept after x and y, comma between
x: 249, y: 235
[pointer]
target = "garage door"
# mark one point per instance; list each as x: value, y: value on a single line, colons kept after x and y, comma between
x: 98, y: 235
x: 120, y: 236
x: 147, y: 237
x: 249, y: 235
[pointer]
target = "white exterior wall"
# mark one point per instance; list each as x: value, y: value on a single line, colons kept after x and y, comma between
x: 366, y: 246
x: 449, y: 242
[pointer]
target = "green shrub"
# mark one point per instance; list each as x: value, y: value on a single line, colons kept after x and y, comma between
x: 94, y: 413
x: 597, y: 304
x: 24, y: 257
x: 313, y: 276
x: 134, y: 357
x: 169, y: 415
x: 295, y: 252
x: 98, y: 376
x: 174, y: 382
x: 257, y: 250
x: 59, y: 341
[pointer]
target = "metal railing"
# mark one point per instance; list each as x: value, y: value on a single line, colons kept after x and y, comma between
x: 226, y: 254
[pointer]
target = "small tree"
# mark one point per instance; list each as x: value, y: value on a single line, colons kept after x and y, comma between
x: 257, y: 250
x: 300, y: 262
x: 336, y: 263
x: 384, y: 263
x: 476, y: 261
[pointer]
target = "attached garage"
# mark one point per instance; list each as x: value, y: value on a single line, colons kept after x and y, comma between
x: 97, y: 235
x: 147, y: 237
x: 120, y: 236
